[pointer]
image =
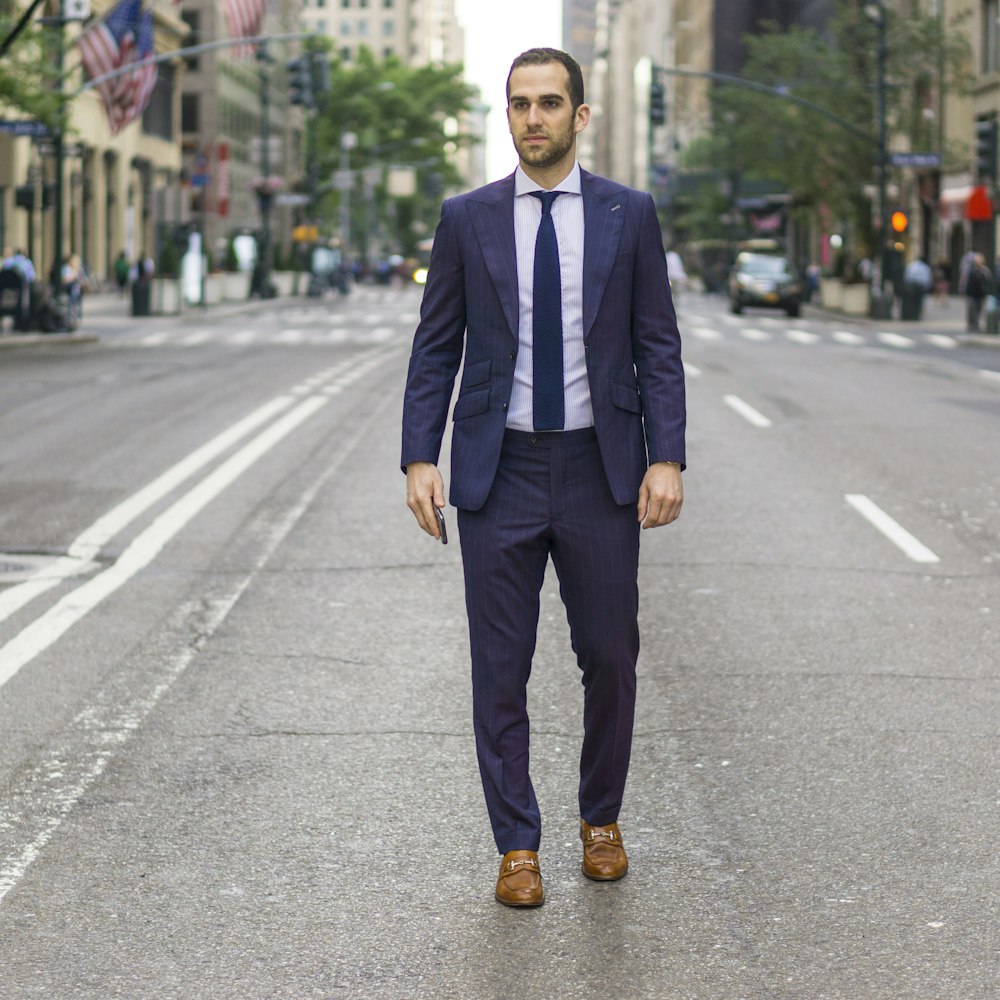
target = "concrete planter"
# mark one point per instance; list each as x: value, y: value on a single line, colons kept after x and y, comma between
x: 855, y: 299
x: 236, y: 286
x: 830, y: 292
x: 166, y: 296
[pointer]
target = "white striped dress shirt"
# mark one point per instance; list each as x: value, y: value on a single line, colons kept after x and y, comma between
x: 567, y: 216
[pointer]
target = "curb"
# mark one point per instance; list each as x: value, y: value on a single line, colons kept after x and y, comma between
x: 22, y: 339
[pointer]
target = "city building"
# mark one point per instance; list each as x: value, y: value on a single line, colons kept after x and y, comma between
x: 118, y: 190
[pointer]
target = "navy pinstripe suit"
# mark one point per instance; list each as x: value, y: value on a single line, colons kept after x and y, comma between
x: 571, y: 496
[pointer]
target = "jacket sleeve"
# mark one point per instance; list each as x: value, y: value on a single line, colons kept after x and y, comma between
x: 437, y: 346
x: 656, y: 345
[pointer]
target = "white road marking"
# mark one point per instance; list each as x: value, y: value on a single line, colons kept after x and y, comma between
x: 241, y: 337
x: 746, y: 411
x: 847, y: 337
x: 45, y: 630
x: 706, y: 333
x: 986, y: 373
x: 894, y: 339
x: 152, y: 339
x: 802, y: 336
x: 752, y: 333
x: 57, y: 782
x: 90, y: 542
x: 892, y: 530
x: 198, y: 337
x: 693, y: 370
x: 941, y: 340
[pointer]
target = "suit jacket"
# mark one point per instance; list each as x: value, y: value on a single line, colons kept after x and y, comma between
x: 470, y: 305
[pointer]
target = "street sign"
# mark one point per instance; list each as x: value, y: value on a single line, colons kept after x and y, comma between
x: 929, y: 161
x: 200, y: 180
x: 23, y: 127
x: 291, y: 198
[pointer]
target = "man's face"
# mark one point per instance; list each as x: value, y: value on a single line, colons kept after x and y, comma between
x: 540, y: 115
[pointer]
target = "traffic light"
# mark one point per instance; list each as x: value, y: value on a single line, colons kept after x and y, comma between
x: 899, y: 222
x: 320, y: 74
x: 657, y: 102
x: 986, y: 150
x: 300, y: 88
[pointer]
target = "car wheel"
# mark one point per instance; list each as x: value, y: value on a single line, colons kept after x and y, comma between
x: 793, y: 310
x: 735, y: 306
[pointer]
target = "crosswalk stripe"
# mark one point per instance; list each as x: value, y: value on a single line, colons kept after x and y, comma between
x: 752, y: 333
x: 802, y: 336
x: 706, y: 333
x: 846, y: 337
x: 894, y: 339
x: 941, y: 340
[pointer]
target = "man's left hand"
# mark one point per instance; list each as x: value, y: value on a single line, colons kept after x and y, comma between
x: 660, y: 495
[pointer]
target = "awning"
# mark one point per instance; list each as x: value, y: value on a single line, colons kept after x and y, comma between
x: 968, y: 202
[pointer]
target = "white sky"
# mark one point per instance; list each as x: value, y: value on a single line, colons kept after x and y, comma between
x: 494, y: 34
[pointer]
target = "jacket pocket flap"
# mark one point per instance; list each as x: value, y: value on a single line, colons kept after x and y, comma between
x: 476, y: 374
x: 471, y: 403
x: 626, y: 397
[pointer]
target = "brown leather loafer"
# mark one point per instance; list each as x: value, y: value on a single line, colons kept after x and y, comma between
x: 520, y: 880
x: 604, y: 858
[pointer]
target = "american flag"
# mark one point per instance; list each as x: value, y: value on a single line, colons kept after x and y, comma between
x: 245, y: 18
x: 125, y: 36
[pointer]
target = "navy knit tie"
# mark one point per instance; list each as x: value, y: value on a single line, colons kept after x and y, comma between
x: 546, y: 306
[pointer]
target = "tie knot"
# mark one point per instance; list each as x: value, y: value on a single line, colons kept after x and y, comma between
x: 546, y: 198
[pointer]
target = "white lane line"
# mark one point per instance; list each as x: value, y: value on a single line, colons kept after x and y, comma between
x: 241, y: 337
x: 90, y: 542
x: 892, y: 530
x: 193, y: 339
x: 693, y: 370
x: 894, y: 339
x: 706, y: 333
x: 746, y: 411
x: 986, y: 373
x: 752, y: 333
x: 941, y: 340
x: 51, y: 789
x: 45, y: 630
x: 802, y: 336
x: 847, y: 337
x: 153, y: 339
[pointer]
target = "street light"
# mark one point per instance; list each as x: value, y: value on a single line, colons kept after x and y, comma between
x: 880, y: 309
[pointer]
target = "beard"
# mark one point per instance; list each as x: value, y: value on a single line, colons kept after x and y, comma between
x: 560, y: 143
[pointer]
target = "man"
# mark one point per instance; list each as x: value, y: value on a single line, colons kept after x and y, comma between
x: 978, y: 285
x: 568, y: 434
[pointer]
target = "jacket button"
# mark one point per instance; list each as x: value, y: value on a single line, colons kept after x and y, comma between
x: 513, y: 354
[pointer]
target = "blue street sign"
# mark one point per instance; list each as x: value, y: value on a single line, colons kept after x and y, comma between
x: 199, y: 180
x: 23, y: 127
x: 930, y: 161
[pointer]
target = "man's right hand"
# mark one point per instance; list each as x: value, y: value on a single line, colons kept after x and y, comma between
x: 424, y: 492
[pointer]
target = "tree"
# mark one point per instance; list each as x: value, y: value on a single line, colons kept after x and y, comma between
x: 27, y: 72
x: 398, y: 114
x: 819, y: 161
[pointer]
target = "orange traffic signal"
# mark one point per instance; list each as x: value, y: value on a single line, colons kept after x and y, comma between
x: 899, y: 222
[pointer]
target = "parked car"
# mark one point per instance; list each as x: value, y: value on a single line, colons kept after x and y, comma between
x: 760, y: 279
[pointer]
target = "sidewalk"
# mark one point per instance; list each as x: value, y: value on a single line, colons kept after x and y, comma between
x: 937, y: 317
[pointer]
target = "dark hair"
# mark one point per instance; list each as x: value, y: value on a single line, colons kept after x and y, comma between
x: 540, y: 57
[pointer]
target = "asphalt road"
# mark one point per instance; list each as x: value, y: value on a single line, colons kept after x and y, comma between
x: 236, y: 758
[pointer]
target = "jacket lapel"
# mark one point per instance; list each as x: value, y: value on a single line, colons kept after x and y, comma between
x: 493, y: 219
x: 604, y: 215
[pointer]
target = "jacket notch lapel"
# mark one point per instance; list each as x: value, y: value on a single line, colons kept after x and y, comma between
x: 604, y: 216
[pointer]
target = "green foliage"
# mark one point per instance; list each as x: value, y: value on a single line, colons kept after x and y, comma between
x: 28, y: 74
x: 818, y: 160
x: 398, y: 115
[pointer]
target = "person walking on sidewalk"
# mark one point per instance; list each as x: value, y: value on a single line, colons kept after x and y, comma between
x: 568, y: 434
x: 978, y: 284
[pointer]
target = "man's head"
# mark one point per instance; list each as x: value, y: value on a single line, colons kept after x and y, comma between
x: 545, y: 111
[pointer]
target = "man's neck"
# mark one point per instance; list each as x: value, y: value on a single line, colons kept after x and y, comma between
x: 551, y: 177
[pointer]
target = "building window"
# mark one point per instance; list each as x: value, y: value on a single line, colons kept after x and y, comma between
x: 991, y: 36
x: 320, y: 26
x: 190, y: 113
x: 193, y: 20
x: 345, y: 53
x: 387, y: 4
x: 363, y: 27
x: 388, y: 28
x: 345, y: 28
x: 362, y: 3
x: 388, y: 51
x: 345, y: 4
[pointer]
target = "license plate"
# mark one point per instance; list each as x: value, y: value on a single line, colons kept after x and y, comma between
x: 772, y: 297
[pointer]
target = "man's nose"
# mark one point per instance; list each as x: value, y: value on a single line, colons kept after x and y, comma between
x: 534, y: 114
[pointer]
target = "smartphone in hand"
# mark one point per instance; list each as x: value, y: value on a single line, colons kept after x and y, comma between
x: 441, y: 526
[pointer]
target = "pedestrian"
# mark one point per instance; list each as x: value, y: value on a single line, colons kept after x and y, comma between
x: 121, y: 271
x: 676, y: 273
x: 978, y: 284
x: 918, y: 280
x: 567, y: 435
x: 942, y: 281
x: 20, y: 260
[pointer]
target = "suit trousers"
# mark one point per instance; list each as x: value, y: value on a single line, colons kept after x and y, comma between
x: 551, y: 497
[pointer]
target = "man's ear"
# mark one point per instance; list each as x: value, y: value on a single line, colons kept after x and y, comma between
x: 582, y: 118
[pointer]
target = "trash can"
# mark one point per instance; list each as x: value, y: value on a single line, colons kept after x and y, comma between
x: 912, y: 304
x: 140, y: 298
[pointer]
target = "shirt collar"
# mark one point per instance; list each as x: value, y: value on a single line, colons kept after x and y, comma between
x: 570, y: 184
